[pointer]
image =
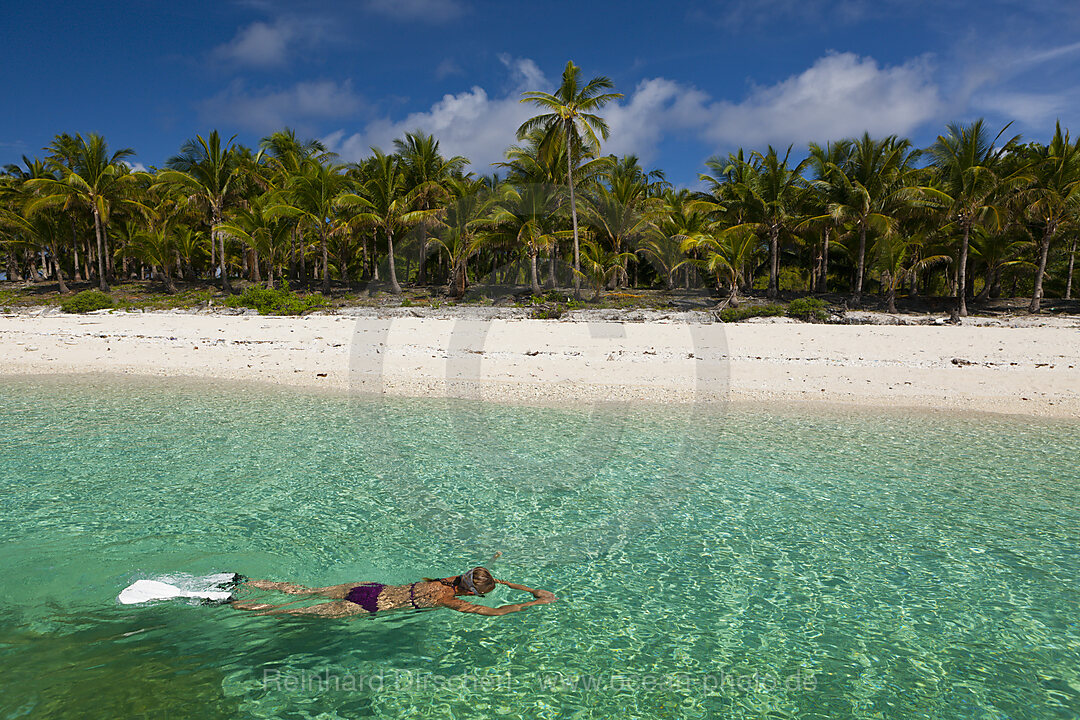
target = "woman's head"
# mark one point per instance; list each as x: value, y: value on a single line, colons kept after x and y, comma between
x: 478, y: 581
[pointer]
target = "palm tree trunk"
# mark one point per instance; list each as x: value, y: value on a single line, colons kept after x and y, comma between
x: 573, y: 216
x: 774, y: 263
x: 823, y: 283
x: 1072, y: 258
x: 292, y: 252
x: 170, y: 286
x: 421, y: 276
x: 59, y: 270
x: 219, y: 238
x: 325, y: 261
x: 395, y: 287
x: 961, y: 273
x: 861, y: 270
x: 103, y: 284
x: 532, y: 272
x: 343, y: 261
x: 75, y: 277
x: 1044, y: 251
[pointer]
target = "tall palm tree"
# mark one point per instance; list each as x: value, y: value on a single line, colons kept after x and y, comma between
x: 315, y: 194
x: 766, y: 190
x: 525, y: 214
x: 429, y: 175
x: 210, y: 173
x: 617, y: 209
x: 256, y: 227
x: 969, y: 185
x: 390, y: 204
x: 464, y: 227
x: 828, y: 188
x: 873, y: 189
x: 44, y: 225
x: 96, y: 179
x: 682, y: 218
x: 571, y: 116
x: 1054, y: 203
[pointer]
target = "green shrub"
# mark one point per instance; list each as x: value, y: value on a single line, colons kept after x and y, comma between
x: 548, y: 313
x: 749, y: 311
x: 808, y: 310
x: 87, y: 301
x: 276, y: 301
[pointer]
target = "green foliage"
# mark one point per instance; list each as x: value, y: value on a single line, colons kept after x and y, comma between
x: 87, y: 301
x: 276, y: 301
x: 808, y: 310
x: 750, y: 311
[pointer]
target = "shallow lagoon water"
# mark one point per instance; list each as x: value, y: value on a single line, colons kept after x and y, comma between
x: 731, y: 563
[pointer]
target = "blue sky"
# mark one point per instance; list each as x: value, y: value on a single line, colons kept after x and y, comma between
x: 700, y: 78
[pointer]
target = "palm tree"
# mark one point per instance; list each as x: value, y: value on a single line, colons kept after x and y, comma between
x: 315, y: 194
x: 601, y: 264
x: 767, y: 191
x: 617, y: 210
x: 684, y: 219
x: 540, y: 161
x: 210, y: 174
x: 968, y: 185
x: 389, y: 203
x: 873, y: 188
x: 894, y: 255
x: 464, y: 227
x: 572, y: 118
x: 42, y: 226
x: 828, y: 185
x: 257, y: 227
x: 525, y: 214
x: 428, y: 175
x: 96, y: 180
x: 1054, y: 202
x: 724, y: 253
x: 284, y: 155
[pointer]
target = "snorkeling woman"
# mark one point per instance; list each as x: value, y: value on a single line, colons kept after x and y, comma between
x: 357, y: 598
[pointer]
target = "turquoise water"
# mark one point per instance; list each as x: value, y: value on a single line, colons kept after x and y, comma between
x: 729, y: 564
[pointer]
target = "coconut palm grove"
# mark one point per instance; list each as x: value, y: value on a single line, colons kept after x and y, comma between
x: 980, y: 214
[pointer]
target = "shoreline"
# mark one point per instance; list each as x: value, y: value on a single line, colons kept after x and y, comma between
x: 1032, y: 370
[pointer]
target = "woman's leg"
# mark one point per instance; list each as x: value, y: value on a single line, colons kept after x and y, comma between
x: 337, y: 608
x: 335, y: 592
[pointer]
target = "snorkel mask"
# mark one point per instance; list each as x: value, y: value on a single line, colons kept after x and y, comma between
x: 467, y: 581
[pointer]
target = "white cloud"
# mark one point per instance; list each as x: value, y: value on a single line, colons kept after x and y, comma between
x: 266, y: 109
x: 1033, y: 109
x: 426, y: 10
x: 135, y: 166
x: 262, y: 44
x: 447, y: 68
x: 656, y: 107
x: 470, y: 123
x: 838, y: 96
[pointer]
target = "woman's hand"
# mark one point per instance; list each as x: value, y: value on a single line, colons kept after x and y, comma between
x: 542, y: 596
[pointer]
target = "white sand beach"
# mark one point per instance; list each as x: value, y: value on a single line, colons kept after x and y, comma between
x: 1025, y: 367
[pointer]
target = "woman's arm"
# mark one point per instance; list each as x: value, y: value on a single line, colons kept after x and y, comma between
x: 468, y: 607
x: 542, y: 597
